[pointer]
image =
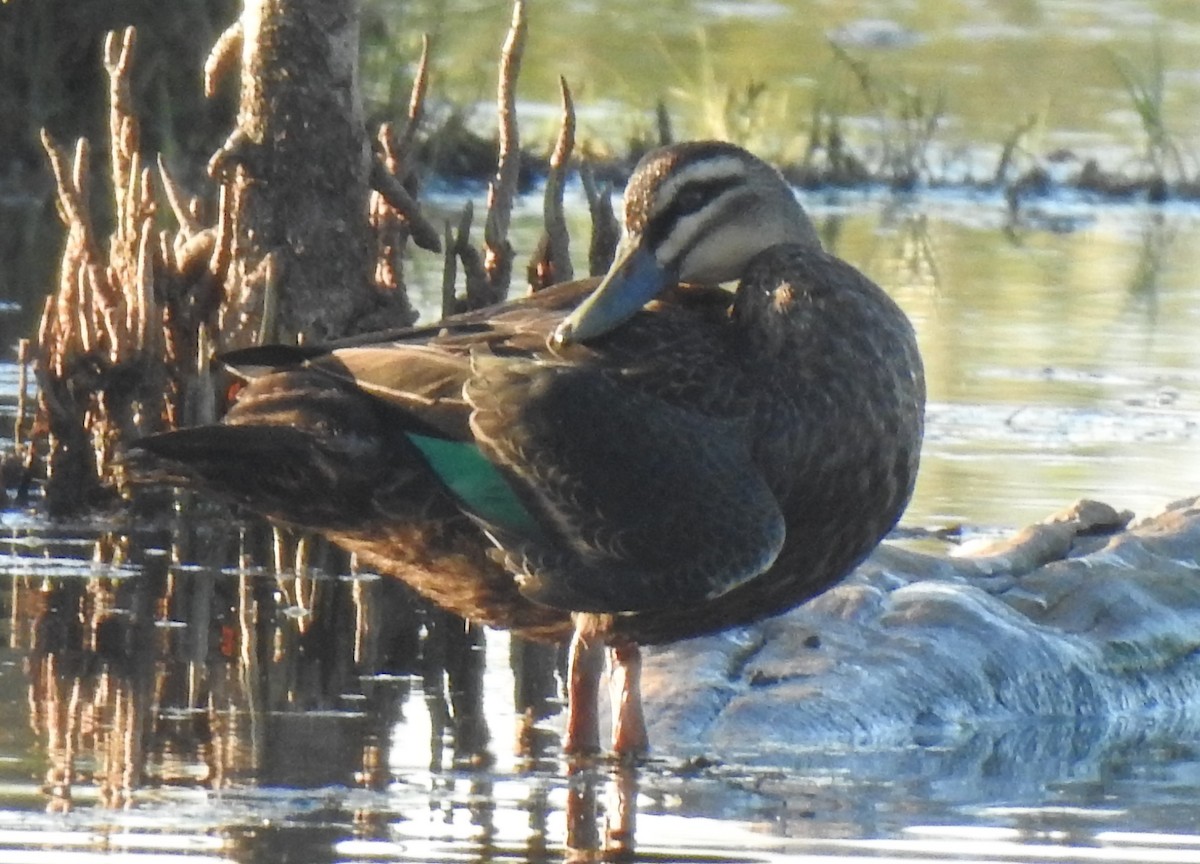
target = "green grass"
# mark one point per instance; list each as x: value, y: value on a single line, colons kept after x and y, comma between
x: 1145, y: 85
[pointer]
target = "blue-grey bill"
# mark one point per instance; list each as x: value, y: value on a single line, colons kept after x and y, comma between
x: 634, y: 279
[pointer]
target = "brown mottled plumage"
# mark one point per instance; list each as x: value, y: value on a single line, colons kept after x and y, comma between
x: 640, y: 462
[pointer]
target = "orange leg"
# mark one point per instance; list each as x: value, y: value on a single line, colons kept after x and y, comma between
x: 584, y: 666
x: 625, y: 690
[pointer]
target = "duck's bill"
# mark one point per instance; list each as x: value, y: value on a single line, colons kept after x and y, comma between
x: 634, y: 279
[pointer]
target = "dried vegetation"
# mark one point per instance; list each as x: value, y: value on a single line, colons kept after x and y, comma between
x: 128, y: 339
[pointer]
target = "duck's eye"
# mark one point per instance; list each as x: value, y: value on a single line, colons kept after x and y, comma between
x: 689, y: 200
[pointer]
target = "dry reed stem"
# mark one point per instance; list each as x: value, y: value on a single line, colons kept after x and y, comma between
x: 498, y: 252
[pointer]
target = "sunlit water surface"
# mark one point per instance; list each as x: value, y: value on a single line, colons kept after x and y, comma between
x: 163, y: 710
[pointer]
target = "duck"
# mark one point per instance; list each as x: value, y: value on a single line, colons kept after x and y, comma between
x: 714, y: 432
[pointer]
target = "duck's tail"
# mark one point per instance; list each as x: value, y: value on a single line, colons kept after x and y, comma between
x: 296, y: 448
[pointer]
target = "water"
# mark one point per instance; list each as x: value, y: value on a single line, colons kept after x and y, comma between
x: 996, y: 65
x: 211, y: 713
x: 163, y: 703
x: 201, y: 716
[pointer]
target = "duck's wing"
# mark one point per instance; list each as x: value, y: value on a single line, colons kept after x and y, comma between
x: 647, y: 504
x: 419, y: 372
x: 618, y: 476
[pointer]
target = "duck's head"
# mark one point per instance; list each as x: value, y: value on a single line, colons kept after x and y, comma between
x: 695, y: 213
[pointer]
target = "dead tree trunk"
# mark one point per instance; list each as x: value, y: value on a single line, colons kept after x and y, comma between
x: 297, y: 167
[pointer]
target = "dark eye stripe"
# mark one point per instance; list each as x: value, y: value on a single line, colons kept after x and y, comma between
x: 690, y: 198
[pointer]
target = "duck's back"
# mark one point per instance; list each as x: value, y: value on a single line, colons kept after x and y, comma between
x: 831, y: 365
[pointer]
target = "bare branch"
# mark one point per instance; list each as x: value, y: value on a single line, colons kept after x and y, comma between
x: 498, y: 251
x: 226, y: 51
x: 552, y: 261
x: 422, y: 230
x: 189, y: 225
x: 606, y: 231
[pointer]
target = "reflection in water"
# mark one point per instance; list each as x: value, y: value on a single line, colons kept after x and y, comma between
x: 910, y: 264
x: 186, y: 676
x: 257, y: 716
x: 223, y: 679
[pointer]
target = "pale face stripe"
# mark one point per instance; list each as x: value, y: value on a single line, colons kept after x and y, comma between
x: 705, y: 171
x: 686, y: 232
